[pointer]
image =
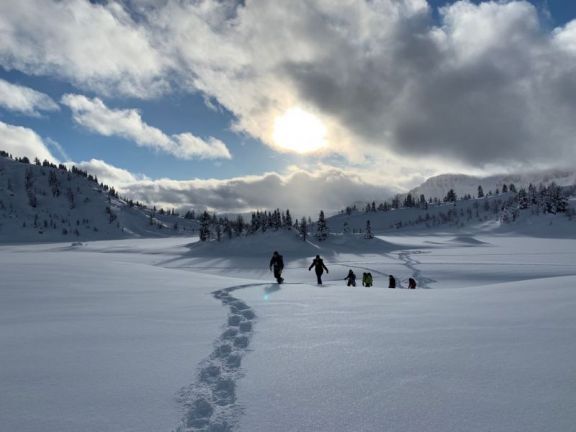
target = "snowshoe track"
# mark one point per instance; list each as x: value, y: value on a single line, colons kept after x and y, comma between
x: 210, y: 402
x: 410, y: 263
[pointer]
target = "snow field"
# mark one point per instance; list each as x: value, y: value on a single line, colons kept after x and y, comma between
x: 166, y: 334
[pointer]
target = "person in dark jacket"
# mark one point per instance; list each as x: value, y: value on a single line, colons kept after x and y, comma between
x: 277, y: 265
x: 351, y: 278
x: 391, y: 282
x: 411, y: 283
x: 319, y: 268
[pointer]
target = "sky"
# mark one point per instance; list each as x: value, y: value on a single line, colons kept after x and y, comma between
x: 310, y: 104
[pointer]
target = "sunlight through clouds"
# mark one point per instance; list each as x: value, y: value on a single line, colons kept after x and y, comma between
x: 299, y: 131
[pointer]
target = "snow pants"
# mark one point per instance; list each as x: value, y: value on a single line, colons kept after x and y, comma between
x: 278, y: 274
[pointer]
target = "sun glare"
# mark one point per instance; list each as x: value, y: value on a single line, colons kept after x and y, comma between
x: 299, y: 131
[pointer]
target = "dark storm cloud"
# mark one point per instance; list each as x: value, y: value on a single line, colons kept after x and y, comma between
x: 490, y: 85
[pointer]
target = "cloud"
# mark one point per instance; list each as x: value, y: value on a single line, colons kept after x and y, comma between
x: 24, y: 99
x: 108, y: 174
x: 486, y: 84
x: 94, y: 115
x: 480, y: 85
x: 95, y: 46
x: 20, y: 141
x: 302, y: 191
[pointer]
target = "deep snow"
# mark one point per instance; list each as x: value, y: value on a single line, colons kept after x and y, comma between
x: 133, y: 335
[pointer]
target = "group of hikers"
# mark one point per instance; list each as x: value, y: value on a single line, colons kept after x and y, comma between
x: 277, y: 265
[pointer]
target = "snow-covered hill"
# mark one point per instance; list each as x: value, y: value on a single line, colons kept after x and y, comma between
x: 495, y: 213
x: 438, y: 186
x: 49, y: 203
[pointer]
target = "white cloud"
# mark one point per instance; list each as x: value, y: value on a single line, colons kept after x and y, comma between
x: 191, y: 146
x: 20, y: 141
x: 96, y: 46
x: 127, y: 123
x: 24, y: 99
x: 302, y: 191
x: 108, y: 174
x: 486, y: 84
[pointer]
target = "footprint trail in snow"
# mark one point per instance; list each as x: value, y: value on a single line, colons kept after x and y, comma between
x: 410, y: 263
x: 210, y: 402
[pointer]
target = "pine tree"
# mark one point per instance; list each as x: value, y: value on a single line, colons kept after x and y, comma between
x: 450, y: 196
x: 204, y: 226
x: 239, y: 226
x: 321, y: 227
x: 227, y: 228
x: 423, y: 203
x: 480, y: 192
x: 522, y: 199
x: 368, y: 235
x: 303, y: 229
x: 409, y: 201
x: 288, y: 223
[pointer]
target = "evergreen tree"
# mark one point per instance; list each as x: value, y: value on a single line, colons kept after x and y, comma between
x: 480, y: 192
x: 239, y: 226
x: 288, y: 223
x: 321, y: 227
x: 423, y: 203
x: 218, y: 232
x: 204, y: 226
x: 409, y: 201
x: 522, y: 198
x: 303, y: 229
x: 450, y: 196
x: 368, y: 235
x: 227, y: 228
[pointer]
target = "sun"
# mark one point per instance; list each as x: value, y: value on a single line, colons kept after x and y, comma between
x: 299, y: 131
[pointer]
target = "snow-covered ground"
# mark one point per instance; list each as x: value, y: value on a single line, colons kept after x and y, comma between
x: 166, y: 334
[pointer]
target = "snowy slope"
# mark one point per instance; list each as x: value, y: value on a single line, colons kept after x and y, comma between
x: 463, y: 216
x: 438, y: 186
x: 42, y: 203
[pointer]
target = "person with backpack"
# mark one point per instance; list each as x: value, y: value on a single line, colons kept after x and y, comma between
x: 391, y: 282
x: 277, y: 265
x: 367, y: 279
x: 319, y: 268
x: 351, y: 278
x: 411, y: 283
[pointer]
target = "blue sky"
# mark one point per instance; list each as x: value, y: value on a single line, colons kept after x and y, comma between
x: 213, y: 91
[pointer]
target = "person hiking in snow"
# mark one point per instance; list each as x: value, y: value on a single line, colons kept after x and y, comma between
x: 391, y: 282
x: 319, y: 268
x: 277, y: 265
x: 367, y: 279
x: 351, y: 278
x: 411, y: 283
